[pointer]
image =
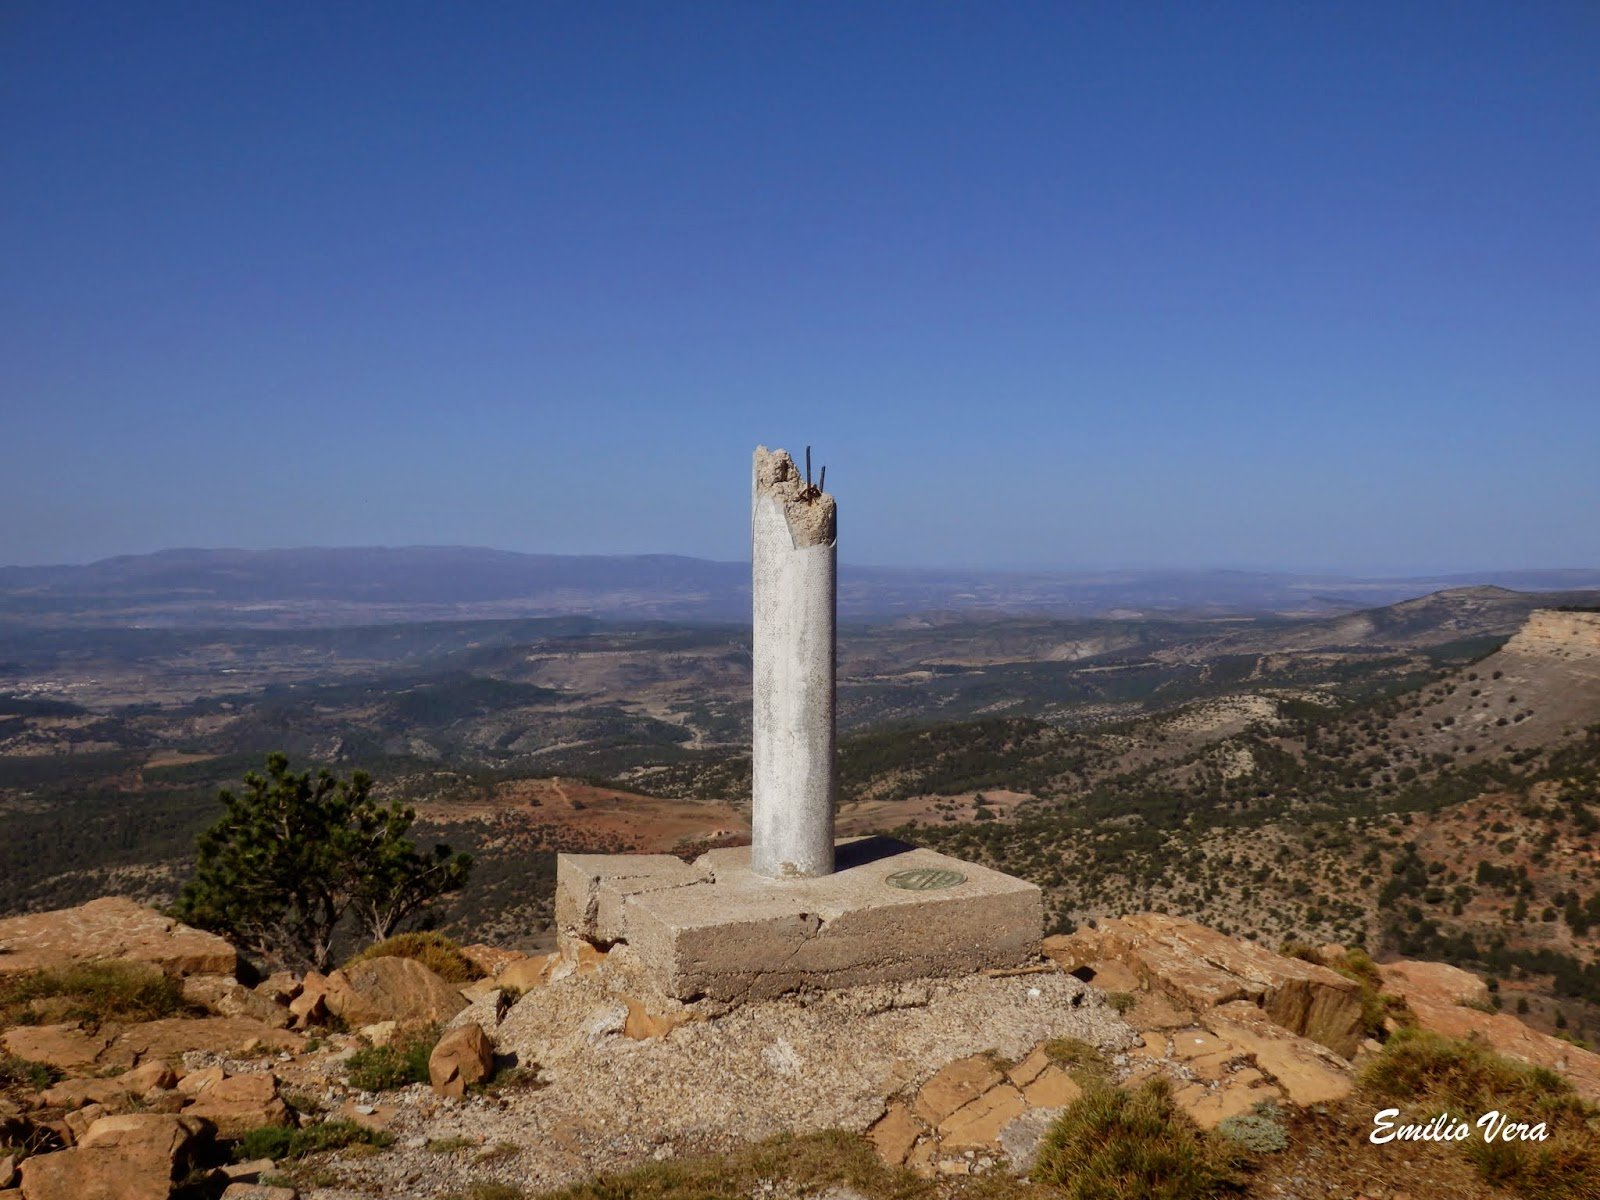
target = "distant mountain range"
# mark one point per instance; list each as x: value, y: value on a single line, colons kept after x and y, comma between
x: 365, y: 585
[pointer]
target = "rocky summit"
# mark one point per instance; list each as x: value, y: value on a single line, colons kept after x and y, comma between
x: 185, y: 1080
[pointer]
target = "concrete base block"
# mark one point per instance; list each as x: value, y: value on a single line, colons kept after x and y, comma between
x: 592, y: 889
x: 717, y: 929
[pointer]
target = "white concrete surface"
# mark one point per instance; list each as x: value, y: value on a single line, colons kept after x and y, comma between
x: 794, y: 588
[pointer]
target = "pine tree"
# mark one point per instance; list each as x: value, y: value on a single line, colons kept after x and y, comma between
x: 293, y: 855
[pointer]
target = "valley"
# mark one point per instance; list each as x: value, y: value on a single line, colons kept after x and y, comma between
x: 1418, y: 778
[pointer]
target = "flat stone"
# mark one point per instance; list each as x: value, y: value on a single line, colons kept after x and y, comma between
x: 1030, y: 1068
x: 391, y: 989
x: 65, y: 1047
x: 1307, y: 1072
x: 1433, y: 983
x: 1213, y: 1066
x: 740, y: 936
x: 241, y: 1103
x: 528, y: 973
x: 978, y: 1124
x: 1054, y: 1088
x: 1155, y: 1011
x: 78, y: 1093
x: 171, y: 1038
x: 112, y: 927
x: 1208, y: 1107
x: 955, y: 1085
x: 1201, y: 968
x: 895, y: 1133
x: 246, y: 1172
x: 1195, y: 1043
x: 1110, y: 976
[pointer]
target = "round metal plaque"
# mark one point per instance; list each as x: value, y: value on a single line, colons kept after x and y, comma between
x: 925, y: 879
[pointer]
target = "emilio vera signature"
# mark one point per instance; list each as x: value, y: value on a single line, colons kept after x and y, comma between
x: 1495, y: 1127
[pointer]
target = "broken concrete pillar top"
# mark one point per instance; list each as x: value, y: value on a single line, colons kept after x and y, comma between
x: 793, y: 534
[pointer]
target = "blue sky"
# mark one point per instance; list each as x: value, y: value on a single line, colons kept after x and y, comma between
x: 1065, y: 284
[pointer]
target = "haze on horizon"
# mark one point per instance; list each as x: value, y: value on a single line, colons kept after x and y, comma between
x: 1248, y: 286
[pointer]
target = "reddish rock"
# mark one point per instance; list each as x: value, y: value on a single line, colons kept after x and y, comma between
x: 1508, y: 1036
x: 1200, y: 968
x: 463, y: 1057
x: 241, y: 1103
x: 491, y: 960
x: 1307, y: 1072
x: 1433, y: 983
x: 170, y: 1039
x: 197, y: 1083
x: 136, y: 1156
x: 954, y: 1086
x: 148, y: 1077
x: 78, y: 1093
x: 895, y: 1133
x: 977, y: 1125
x: 1053, y: 1088
x: 391, y: 989
x: 228, y: 998
x: 112, y: 927
x: 65, y: 1047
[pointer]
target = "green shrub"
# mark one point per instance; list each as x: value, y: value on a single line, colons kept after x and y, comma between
x: 94, y: 992
x: 801, y: 1165
x: 402, y: 1062
x: 19, y: 1072
x: 440, y: 954
x: 1424, y: 1073
x: 1111, y: 1143
x: 1121, y: 1002
x: 1082, y: 1061
x: 489, y: 1191
x: 1377, y: 1006
x: 279, y: 1143
x: 1254, y: 1132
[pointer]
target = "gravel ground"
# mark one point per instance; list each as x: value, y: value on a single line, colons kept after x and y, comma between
x: 827, y: 1061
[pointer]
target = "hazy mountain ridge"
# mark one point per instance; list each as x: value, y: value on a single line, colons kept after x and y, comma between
x: 356, y: 585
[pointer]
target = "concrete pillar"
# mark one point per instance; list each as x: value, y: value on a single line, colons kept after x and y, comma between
x: 794, y: 585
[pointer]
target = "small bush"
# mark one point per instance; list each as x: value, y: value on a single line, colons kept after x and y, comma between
x: 1111, y: 1143
x: 1081, y: 1060
x: 1377, y: 1006
x: 95, y: 992
x: 489, y: 1191
x: 397, y: 1065
x: 1121, y: 1002
x: 449, y: 1145
x: 808, y: 1164
x: 19, y: 1072
x: 1257, y: 1133
x: 280, y: 1143
x: 440, y: 954
x: 1465, y: 1077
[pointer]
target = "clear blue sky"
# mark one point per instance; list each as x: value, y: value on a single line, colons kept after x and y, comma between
x: 1058, y: 284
